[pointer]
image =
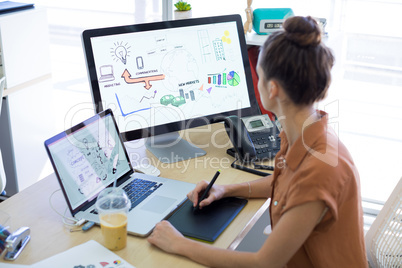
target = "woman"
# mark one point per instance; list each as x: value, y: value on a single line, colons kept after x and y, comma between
x: 315, y: 209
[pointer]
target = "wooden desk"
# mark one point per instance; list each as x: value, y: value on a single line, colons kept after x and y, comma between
x: 50, y: 236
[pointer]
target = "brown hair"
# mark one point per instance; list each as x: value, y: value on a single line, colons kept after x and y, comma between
x: 296, y: 58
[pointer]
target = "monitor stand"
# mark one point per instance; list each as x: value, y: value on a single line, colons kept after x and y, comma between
x: 171, y: 148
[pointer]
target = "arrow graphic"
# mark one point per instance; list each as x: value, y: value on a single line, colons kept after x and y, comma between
x: 146, y: 79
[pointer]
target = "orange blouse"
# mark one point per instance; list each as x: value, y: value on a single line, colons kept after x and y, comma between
x: 319, y: 167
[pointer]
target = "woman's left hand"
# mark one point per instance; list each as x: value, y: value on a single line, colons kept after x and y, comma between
x: 166, y: 237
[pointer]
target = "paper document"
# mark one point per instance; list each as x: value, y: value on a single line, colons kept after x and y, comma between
x: 88, y: 255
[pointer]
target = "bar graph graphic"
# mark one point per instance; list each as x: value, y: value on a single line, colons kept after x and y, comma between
x: 187, y: 96
x: 230, y: 78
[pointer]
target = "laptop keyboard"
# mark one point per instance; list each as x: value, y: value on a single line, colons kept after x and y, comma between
x: 137, y: 190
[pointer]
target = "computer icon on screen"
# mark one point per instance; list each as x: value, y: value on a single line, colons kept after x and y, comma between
x: 170, y: 76
x: 106, y: 73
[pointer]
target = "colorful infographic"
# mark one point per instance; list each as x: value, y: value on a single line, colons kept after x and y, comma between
x: 231, y: 78
x: 169, y: 75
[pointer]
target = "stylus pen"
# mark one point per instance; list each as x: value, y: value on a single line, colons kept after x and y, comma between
x: 207, y: 190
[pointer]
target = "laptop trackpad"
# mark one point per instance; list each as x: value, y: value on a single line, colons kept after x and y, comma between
x: 159, y: 204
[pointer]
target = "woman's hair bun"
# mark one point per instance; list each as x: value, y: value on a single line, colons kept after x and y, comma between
x: 303, y: 31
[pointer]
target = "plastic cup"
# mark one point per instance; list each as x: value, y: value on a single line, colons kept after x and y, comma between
x: 113, y: 205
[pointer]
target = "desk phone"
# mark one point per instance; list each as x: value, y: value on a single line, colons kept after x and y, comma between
x: 254, y: 137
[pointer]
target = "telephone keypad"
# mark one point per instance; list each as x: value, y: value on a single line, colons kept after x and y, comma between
x: 266, y: 144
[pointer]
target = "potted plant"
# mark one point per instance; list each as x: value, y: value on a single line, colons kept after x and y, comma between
x: 183, y: 10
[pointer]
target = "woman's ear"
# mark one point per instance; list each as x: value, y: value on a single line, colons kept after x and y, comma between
x: 273, y: 89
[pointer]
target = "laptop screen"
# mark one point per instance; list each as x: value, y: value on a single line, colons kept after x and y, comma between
x: 106, y: 70
x: 87, y: 158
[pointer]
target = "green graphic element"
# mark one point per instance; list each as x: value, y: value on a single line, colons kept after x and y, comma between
x: 177, y: 101
x: 233, y: 78
x: 167, y: 99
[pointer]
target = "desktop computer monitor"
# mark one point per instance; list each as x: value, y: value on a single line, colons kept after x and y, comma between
x: 163, y: 77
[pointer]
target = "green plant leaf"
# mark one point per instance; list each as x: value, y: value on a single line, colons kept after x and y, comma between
x: 182, y: 6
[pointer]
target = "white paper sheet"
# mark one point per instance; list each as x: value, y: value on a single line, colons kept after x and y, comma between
x: 88, y: 255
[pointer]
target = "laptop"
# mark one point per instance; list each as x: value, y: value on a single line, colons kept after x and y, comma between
x: 106, y: 73
x: 91, y: 156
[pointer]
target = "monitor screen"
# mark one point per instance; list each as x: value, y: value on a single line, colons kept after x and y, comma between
x: 167, y: 76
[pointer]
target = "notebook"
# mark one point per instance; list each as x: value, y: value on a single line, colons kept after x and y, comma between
x: 90, y: 156
x: 209, y: 222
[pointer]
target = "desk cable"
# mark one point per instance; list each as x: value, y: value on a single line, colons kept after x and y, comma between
x: 66, y: 220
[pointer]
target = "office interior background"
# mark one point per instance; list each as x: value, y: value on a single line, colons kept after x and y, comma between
x: 364, y: 101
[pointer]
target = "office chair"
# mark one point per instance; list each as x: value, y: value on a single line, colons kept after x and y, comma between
x: 2, y: 178
x: 384, y: 238
x: 2, y: 173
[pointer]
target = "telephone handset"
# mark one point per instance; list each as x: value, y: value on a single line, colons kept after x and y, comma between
x: 254, y: 138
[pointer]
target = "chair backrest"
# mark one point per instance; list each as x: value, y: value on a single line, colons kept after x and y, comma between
x: 2, y: 176
x: 2, y: 173
x: 2, y: 85
x: 384, y: 238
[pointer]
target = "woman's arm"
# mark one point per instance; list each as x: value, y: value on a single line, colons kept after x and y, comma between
x: 260, y: 188
x: 287, y: 237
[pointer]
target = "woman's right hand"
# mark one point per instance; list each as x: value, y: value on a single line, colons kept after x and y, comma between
x: 216, y: 193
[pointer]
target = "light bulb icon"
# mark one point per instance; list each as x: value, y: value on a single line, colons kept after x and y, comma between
x: 121, y: 53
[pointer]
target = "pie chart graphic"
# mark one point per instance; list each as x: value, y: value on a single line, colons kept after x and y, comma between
x: 233, y: 78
